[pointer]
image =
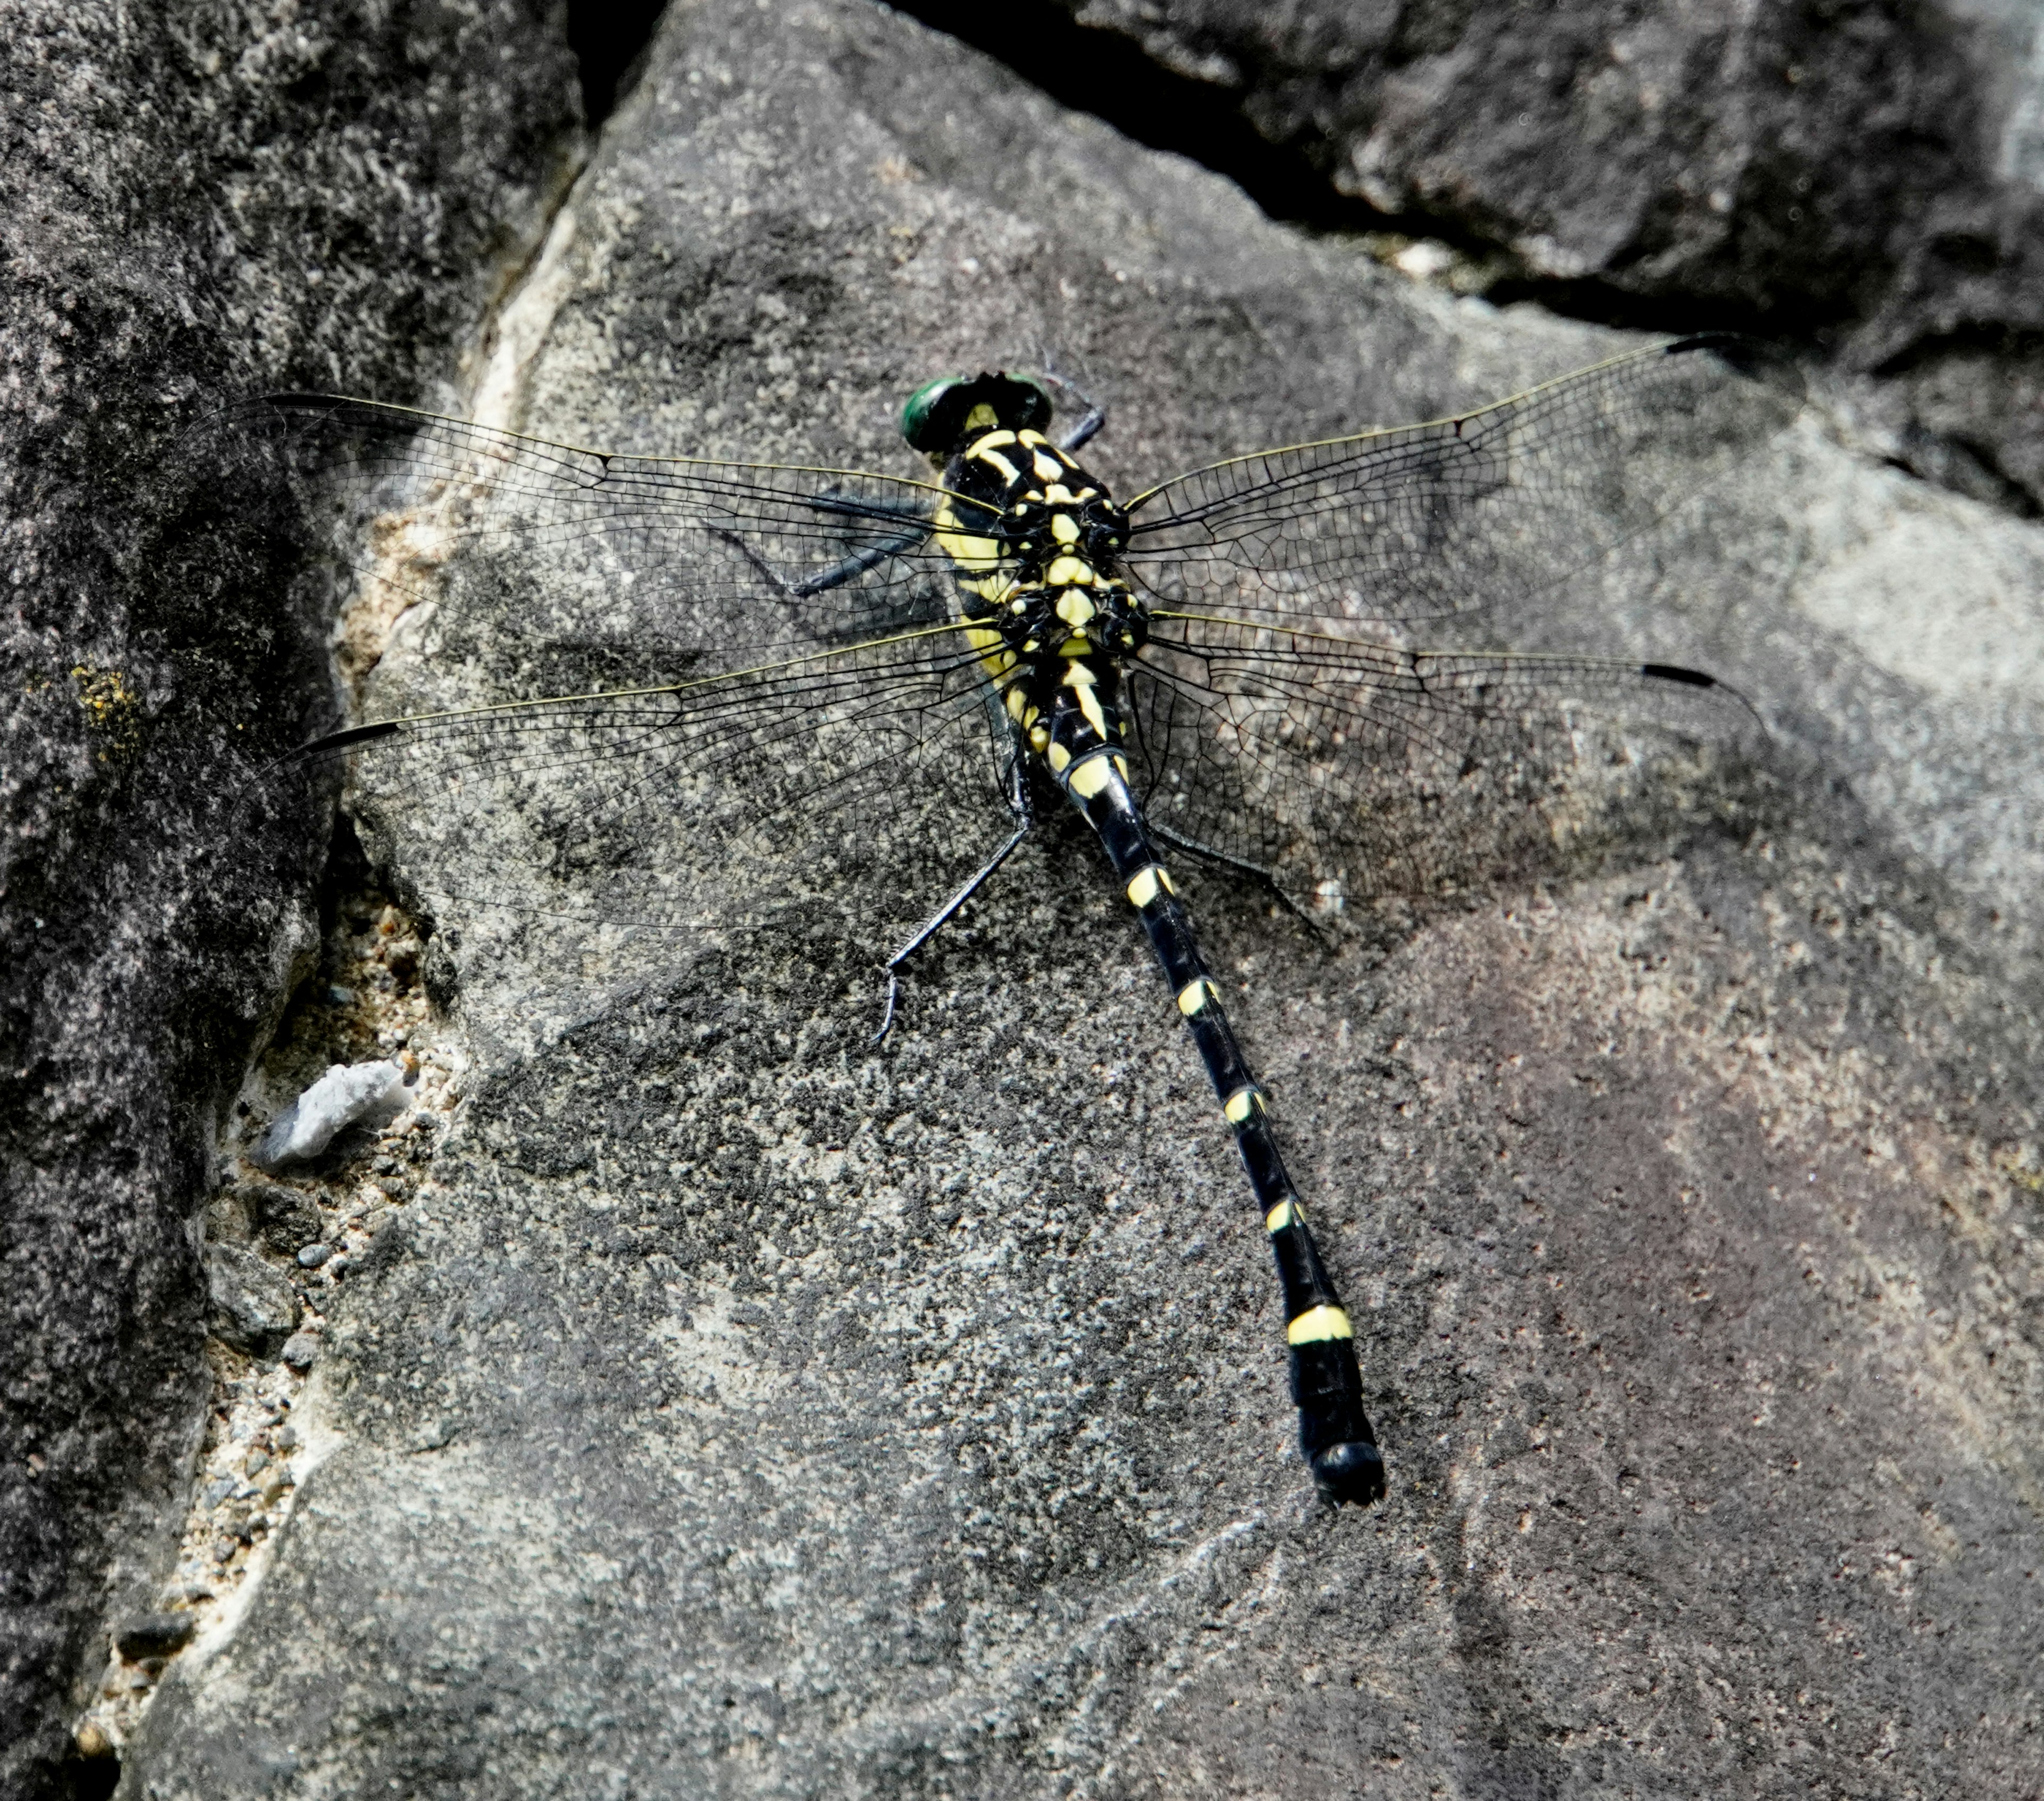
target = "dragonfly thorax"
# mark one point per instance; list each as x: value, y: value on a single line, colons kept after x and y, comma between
x: 1037, y: 544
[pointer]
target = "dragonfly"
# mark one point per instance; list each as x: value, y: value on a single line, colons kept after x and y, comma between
x: 861, y: 692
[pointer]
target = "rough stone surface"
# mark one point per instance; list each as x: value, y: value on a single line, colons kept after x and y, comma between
x: 1871, y: 174
x: 738, y: 1411
x: 194, y: 197
x: 288, y: 1218
x: 253, y: 1308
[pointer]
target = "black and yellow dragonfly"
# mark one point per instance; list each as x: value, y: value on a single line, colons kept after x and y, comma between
x: 868, y: 687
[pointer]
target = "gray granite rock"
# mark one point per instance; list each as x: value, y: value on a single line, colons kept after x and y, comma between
x: 288, y: 1218
x: 193, y: 197
x: 739, y: 1410
x: 253, y: 1307
x: 1872, y: 175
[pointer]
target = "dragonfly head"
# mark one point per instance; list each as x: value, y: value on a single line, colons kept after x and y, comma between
x: 941, y: 417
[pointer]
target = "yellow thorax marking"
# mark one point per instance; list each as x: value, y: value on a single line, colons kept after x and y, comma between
x: 1075, y: 609
x: 1048, y: 468
x: 1064, y: 528
x: 971, y: 552
x: 1066, y: 571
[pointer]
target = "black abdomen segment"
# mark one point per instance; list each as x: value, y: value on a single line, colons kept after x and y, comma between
x: 1334, y: 1433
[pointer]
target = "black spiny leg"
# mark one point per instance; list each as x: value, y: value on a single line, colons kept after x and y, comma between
x: 1334, y: 1431
x: 1094, y: 417
x: 1018, y: 802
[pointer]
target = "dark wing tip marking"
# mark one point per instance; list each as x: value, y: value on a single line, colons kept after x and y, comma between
x: 353, y: 735
x: 1675, y: 672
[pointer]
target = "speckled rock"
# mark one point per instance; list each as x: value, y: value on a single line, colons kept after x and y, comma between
x: 192, y: 197
x: 739, y: 1411
x: 252, y: 1306
x: 1871, y: 176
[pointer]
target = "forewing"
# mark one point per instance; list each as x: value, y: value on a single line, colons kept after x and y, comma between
x: 1461, y: 517
x: 858, y: 787
x: 1345, y: 769
x: 702, y: 562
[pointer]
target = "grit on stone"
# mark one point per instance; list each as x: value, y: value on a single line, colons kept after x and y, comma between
x: 196, y: 197
x: 739, y: 1411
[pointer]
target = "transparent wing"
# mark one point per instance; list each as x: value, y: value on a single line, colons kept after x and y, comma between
x: 1427, y: 523
x: 860, y: 786
x: 698, y: 564
x: 1344, y: 769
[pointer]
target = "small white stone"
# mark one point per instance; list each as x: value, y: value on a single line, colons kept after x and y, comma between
x: 344, y: 1096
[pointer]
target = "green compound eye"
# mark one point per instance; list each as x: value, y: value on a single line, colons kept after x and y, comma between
x: 915, y: 414
x: 939, y: 415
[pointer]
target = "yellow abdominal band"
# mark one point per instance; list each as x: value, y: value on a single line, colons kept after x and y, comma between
x: 1311, y: 1327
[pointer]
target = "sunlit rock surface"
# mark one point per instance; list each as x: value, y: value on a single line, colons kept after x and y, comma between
x: 739, y: 1411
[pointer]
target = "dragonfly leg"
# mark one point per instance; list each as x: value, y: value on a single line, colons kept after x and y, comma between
x: 838, y: 574
x: 1090, y: 422
x: 1334, y: 1430
x: 1255, y: 872
x: 1018, y: 802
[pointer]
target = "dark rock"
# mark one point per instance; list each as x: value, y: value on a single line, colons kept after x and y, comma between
x: 311, y: 1256
x: 154, y: 1635
x: 286, y: 1218
x: 196, y: 199
x: 1872, y: 174
x: 300, y: 1351
x: 837, y: 1422
x: 253, y: 1307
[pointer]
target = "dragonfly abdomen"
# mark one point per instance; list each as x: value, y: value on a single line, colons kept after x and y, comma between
x: 1334, y: 1430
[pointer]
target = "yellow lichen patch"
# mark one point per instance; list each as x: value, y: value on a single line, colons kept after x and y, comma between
x: 112, y: 709
x: 1310, y: 1328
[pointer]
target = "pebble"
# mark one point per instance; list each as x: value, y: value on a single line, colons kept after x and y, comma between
x: 311, y: 1256
x: 301, y: 1352
x: 217, y: 1489
x: 153, y: 1635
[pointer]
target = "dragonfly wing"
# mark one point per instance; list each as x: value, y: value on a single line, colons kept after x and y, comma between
x: 860, y: 786
x: 708, y: 561
x: 1460, y: 517
x: 1349, y: 768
